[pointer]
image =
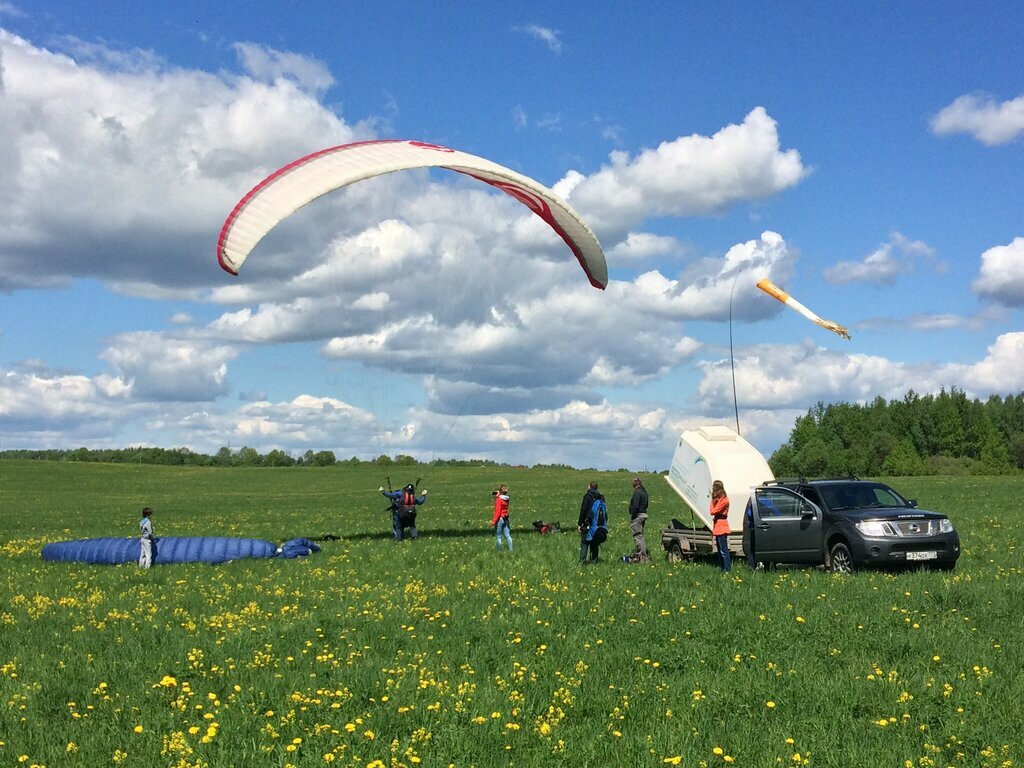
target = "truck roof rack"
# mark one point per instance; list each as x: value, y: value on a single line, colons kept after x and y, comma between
x: 802, y: 480
x: 785, y: 481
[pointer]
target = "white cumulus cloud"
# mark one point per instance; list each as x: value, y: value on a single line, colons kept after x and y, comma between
x: 1001, y: 277
x: 159, y: 367
x: 989, y: 121
x: 690, y: 176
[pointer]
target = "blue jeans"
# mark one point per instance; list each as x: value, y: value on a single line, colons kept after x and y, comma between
x: 590, y: 547
x: 748, y: 543
x: 722, y: 544
x: 400, y: 523
x: 502, y: 529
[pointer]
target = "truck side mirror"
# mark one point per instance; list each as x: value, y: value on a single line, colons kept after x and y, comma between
x: 807, y: 511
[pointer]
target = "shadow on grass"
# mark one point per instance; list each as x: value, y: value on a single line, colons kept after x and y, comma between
x: 431, y: 533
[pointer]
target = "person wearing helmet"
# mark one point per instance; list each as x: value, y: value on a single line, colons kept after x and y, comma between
x: 403, y: 509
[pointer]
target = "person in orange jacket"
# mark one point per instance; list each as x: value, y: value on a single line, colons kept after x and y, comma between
x: 720, y: 516
x: 500, y: 520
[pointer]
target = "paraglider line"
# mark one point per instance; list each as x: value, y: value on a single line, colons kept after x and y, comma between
x: 444, y: 440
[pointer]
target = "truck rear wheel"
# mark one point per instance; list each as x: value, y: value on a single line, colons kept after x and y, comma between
x: 840, y: 558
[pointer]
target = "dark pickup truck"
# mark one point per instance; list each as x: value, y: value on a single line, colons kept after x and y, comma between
x: 844, y: 525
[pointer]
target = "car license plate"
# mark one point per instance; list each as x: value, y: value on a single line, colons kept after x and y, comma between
x: 922, y: 555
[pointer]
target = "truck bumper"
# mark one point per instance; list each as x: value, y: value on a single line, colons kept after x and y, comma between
x: 943, y: 550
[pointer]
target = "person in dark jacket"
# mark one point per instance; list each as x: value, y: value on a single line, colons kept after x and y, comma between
x: 638, y: 518
x: 589, y: 543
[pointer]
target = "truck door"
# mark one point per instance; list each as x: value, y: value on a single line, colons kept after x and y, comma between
x: 787, y: 527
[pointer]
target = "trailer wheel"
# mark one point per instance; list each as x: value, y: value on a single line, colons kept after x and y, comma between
x: 675, y: 552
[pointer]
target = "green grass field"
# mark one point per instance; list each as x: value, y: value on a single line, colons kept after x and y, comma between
x: 444, y: 652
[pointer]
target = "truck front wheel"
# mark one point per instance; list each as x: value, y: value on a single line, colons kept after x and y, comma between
x: 840, y: 558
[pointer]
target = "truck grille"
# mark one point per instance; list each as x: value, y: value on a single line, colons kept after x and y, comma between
x: 917, y: 527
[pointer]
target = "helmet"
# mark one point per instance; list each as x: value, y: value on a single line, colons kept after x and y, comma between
x: 410, y: 487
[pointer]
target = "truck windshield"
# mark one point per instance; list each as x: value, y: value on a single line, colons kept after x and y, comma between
x: 861, y: 496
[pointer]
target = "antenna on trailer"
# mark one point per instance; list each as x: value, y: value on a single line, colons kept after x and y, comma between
x: 732, y: 359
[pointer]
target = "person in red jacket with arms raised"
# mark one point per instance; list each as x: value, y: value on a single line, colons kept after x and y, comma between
x: 720, y: 517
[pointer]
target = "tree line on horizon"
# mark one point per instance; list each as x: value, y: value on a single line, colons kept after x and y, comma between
x: 226, y: 457
x: 941, y: 434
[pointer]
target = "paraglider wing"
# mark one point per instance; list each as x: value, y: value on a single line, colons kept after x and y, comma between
x: 174, y: 549
x: 298, y: 183
x: 774, y: 291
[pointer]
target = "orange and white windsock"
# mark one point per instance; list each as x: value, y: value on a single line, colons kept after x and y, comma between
x: 774, y: 291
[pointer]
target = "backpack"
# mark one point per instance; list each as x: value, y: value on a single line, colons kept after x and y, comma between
x: 598, y: 522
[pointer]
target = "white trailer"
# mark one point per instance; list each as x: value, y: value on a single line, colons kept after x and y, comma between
x: 703, y: 455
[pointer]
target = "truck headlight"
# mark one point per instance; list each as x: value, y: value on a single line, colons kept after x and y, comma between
x: 945, y: 525
x: 874, y: 528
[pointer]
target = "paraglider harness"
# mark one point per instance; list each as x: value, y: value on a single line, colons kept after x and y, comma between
x: 406, y: 509
x: 598, y: 532
x: 542, y: 527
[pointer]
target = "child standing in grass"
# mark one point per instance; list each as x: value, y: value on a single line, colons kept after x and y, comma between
x: 146, y: 538
x: 500, y: 519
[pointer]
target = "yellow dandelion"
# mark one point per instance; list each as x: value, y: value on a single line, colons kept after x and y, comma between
x: 770, y: 704
x: 138, y: 729
x: 718, y: 751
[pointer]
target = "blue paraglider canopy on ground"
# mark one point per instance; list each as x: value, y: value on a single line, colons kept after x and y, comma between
x: 174, y: 549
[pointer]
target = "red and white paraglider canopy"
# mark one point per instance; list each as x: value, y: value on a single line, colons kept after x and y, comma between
x: 298, y: 183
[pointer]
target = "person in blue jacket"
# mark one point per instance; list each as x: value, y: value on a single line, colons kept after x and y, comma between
x: 403, y: 509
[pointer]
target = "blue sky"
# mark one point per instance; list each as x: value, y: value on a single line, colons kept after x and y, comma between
x: 866, y: 158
